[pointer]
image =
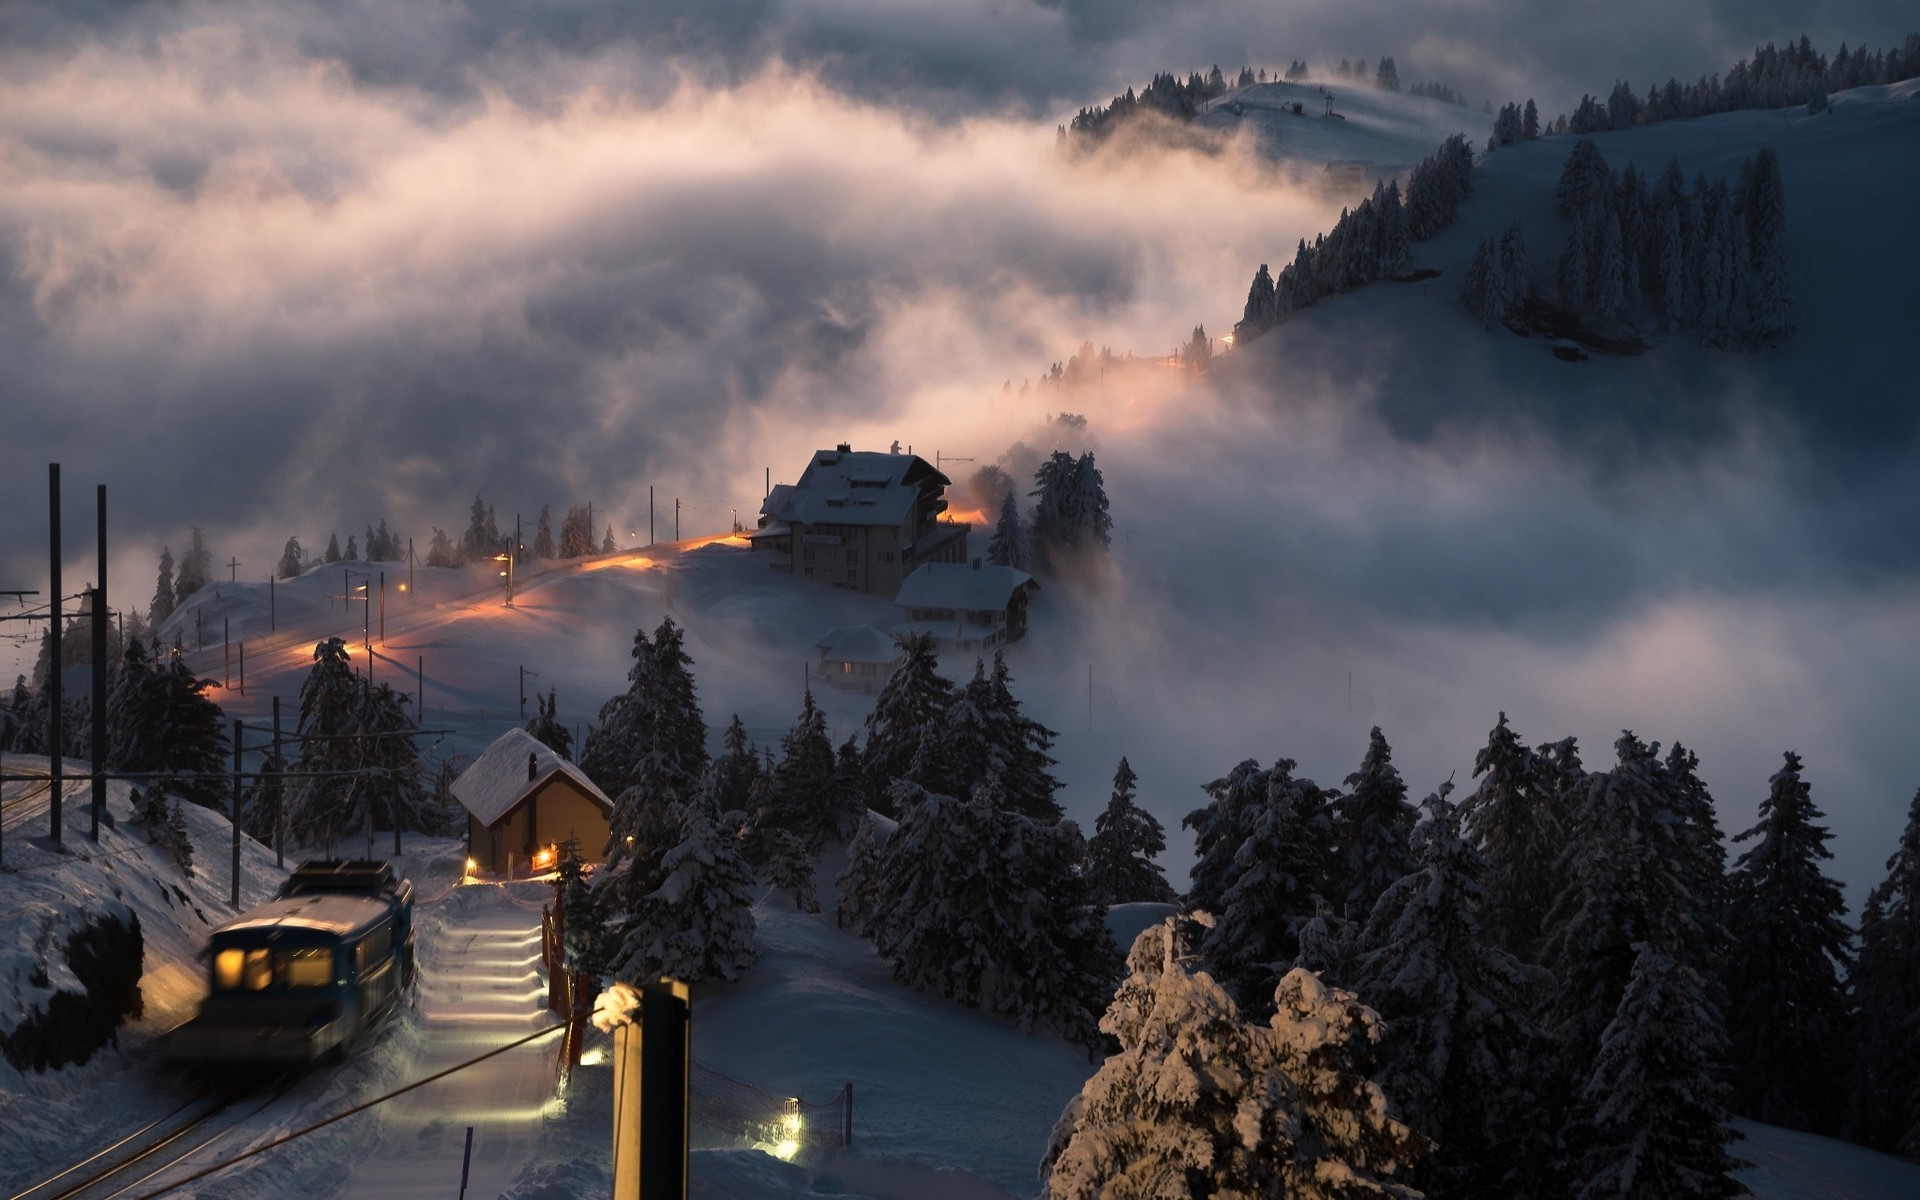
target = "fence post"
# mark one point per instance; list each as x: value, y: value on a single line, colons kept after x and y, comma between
x: 846, y: 1118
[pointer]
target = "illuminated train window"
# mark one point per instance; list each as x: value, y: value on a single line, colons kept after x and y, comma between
x: 304, y: 968
x: 255, y: 970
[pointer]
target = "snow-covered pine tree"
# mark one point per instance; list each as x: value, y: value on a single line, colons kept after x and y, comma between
x: 1462, y: 1050
x: 1126, y: 839
x: 1575, y: 275
x: 543, y: 546
x: 1027, y: 779
x: 321, y: 800
x: 1372, y: 824
x: 800, y: 799
x: 333, y: 548
x: 293, y: 560
x: 1702, y: 869
x: 1626, y: 872
x: 1585, y: 171
x: 1530, y: 121
x: 353, y: 549
x: 1219, y: 828
x: 1009, y: 545
x: 1764, y: 206
x: 1883, y: 1082
x: 1786, y: 1019
x: 1091, y: 522
x: 1281, y: 873
x: 974, y: 741
x: 1511, y: 817
x: 1200, y: 1101
x: 477, y: 543
x: 393, y: 790
x: 441, y: 551
x: 697, y: 921
x: 546, y: 726
x: 1481, y: 290
x: 1718, y: 267
x: 861, y: 882
x: 911, y: 708
x: 1653, y: 1122
x: 989, y: 908
x: 1516, y: 280
x: 735, y: 771
x: 607, y: 544
x: 1676, y: 285
x: 658, y: 716
x: 196, y: 566
x: 165, y: 825
x: 1608, y: 282
x: 1396, y: 242
x: 576, y: 533
x: 164, y: 601
x: 790, y: 869
x: 1262, y: 311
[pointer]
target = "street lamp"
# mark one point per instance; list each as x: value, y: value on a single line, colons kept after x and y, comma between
x: 506, y: 556
x: 349, y: 588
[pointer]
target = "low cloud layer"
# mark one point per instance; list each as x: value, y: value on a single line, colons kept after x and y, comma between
x: 291, y: 269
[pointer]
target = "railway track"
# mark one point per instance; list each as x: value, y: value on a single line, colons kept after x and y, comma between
x: 140, y: 1159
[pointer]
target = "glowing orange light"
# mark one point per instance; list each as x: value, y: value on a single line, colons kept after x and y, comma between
x: 971, y: 516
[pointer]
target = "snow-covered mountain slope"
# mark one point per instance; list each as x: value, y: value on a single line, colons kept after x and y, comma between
x: 1839, y: 376
x: 1376, y: 133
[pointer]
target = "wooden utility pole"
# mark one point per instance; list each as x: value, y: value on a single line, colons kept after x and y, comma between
x: 99, y: 805
x: 650, y: 1076
x: 56, y: 735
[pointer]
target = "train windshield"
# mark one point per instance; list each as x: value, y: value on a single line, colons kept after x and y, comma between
x: 237, y: 969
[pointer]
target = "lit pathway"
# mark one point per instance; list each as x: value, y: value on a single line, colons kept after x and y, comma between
x: 481, y: 986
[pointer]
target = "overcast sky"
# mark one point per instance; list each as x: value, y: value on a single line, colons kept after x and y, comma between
x: 288, y: 269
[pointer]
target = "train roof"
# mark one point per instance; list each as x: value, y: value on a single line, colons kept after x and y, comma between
x: 321, y: 912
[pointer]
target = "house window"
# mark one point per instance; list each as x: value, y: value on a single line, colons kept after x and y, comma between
x: 807, y: 556
x: 866, y: 668
x: 885, y: 556
x: 853, y: 573
x: 853, y: 556
x: 846, y: 668
x: 809, y: 572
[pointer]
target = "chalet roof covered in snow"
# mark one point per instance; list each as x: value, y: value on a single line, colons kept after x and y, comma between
x: 853, y: 487
x: 498, y: 779
x: 860, y: 644
x: 977, y: 587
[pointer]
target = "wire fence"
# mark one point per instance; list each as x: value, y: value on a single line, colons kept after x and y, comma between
x: 725, y: 1113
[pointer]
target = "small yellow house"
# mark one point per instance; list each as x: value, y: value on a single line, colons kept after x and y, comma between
x: 522, y: 800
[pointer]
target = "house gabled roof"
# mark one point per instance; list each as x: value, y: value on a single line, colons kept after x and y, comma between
x: 976, y: 586
x: 853, y: 487
x: 861, y: 644
x: 497, y: 781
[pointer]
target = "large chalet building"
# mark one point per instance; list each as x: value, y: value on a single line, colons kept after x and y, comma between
x: 860, y: 519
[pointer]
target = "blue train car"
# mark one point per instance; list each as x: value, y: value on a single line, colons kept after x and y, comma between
x: 298, y: 979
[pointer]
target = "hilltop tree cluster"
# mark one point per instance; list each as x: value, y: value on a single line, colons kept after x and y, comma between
x: 1368, y: 243
x: 1773, y: 78
x: 1711, y: 259
x: 1168, y: 95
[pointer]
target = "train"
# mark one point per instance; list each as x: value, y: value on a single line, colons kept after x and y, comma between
x: 299, y: 979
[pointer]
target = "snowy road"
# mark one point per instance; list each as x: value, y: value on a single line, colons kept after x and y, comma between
x: 481, y: 986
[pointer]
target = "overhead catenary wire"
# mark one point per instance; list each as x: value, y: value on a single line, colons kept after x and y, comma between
x: 341, y: 1116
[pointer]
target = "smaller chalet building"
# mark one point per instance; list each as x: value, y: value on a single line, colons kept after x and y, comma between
x: 858, y: 657
x: 973, y: 608
x: 522, y: 798
x: 860, y: 519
